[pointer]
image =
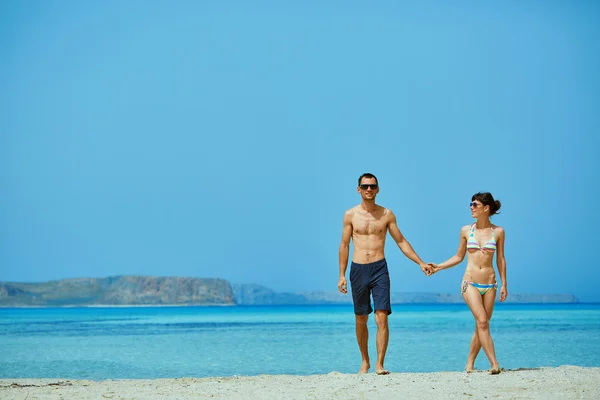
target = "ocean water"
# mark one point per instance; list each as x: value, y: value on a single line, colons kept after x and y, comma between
x: 172, y: 342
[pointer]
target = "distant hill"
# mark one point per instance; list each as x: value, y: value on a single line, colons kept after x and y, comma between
x: 118, y: 290
x: 156, y: 291
x: 253, y: 294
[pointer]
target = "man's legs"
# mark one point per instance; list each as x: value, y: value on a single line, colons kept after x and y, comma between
x: 362, y: 337
x: 383, y: 336
x: 361, y: 296
x: 381, y: 299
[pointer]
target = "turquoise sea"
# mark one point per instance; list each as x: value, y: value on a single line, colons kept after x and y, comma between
x: 171, y: 342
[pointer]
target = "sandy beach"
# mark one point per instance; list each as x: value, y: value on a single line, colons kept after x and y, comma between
x: 565, y: 382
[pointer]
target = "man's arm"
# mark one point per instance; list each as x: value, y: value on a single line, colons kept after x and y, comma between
x: 404, y: 245
x: 345, y: 251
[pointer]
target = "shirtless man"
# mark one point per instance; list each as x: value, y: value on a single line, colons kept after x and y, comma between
x: 367, y: 225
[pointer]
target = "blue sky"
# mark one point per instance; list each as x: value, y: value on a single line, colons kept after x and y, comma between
x: 224, y: 139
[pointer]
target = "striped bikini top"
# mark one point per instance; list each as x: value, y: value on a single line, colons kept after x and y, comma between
x: 472, y: 243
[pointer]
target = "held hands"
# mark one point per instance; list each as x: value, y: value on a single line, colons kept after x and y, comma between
x: 430, y: 268
x: 434, y: 268
x: 342, y: 285
x: 426, y: 268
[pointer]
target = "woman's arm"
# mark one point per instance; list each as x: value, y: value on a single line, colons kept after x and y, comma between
x: 460, y: 253
x: 501, y: 262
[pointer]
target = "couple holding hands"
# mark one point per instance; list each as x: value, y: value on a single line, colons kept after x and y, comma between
x: 367, y: 225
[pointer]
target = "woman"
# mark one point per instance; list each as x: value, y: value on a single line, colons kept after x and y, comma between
x: 480, y: 241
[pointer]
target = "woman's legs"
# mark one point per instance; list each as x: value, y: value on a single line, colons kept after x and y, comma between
x: 488, y: 303
x: 476, y: 301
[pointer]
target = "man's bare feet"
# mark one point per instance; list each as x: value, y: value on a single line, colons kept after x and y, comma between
x: 364, y: 368
x: 380, y: 370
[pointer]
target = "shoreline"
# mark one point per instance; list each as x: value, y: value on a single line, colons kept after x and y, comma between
x: 564, y: 382
x: 513, y: 303
x: 122, y: 306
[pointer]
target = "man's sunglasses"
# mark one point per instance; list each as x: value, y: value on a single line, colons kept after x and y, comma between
x: 474, y: 205
x: 365, y: 187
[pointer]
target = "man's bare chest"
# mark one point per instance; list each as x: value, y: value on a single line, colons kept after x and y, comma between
x: 369, y: 225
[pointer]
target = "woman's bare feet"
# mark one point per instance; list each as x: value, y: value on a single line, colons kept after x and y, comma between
x: 495, y: 370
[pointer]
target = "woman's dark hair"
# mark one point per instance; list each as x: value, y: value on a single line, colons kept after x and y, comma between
x: 487, y: 199
x: 368, y: 176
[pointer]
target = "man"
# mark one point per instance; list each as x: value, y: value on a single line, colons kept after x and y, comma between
x: 367, y: 225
